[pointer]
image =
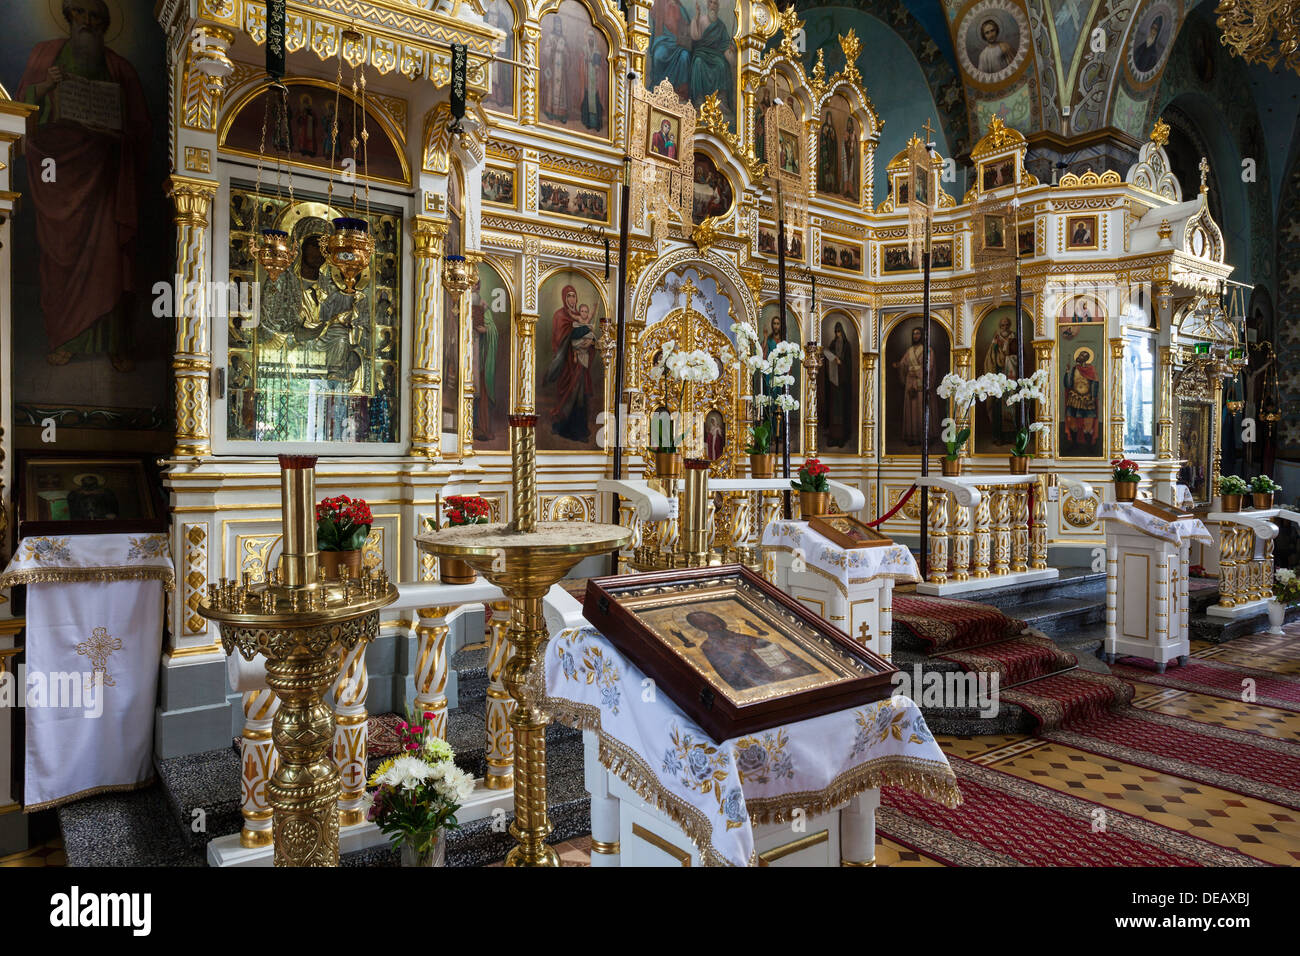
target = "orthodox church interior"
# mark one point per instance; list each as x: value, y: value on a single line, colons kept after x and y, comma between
x: 671, y: 433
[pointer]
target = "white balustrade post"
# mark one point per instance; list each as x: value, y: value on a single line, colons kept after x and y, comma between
x: 499, y: 741
x: 431, y: 667
x: 348, y: 697
x: 257, y: 762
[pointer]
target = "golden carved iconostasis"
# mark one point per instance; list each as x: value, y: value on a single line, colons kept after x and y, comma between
x: 419, y: 376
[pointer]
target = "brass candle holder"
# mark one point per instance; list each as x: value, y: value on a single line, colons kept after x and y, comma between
x: 298, y: 621
x: 524, y: 558
x: 693, y: 547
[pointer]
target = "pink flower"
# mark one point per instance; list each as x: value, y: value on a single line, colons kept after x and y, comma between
x: 412, y: 746
x: 417, y: 730
x: 429, y: 715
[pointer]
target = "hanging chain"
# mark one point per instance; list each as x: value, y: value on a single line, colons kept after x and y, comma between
x: 334, y: 131
x: 261, y: 156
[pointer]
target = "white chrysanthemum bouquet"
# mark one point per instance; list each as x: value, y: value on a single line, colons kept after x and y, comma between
x: 417, y: 793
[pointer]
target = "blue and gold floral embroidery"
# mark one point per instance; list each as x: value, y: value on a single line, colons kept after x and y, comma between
x: 592, y: 668
x: 702, y: 767
x: 45, y: 550
x: 762, y: 759
x: 150, y: 546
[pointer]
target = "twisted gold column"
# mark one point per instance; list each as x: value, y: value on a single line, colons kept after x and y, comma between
x: 938, y: 570
x: 1038, y: 535
x: 1020, y: 529
x: 531, y: 825
x: 431, y: 667
x: 1227, y: 565
x: 350, y: 715
x: 983, y: 536
x: 257, y: 762
x: 426, y: 340
x: 192, y: 360
x: 1001, y: 530
x: 961, y: 540
x: 499, y: 742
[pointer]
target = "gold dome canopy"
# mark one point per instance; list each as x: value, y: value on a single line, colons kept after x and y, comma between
x: 999, y: 138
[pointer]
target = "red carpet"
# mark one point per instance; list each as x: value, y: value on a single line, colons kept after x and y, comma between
x: 1022, y: 658
x: 1216, y: 678
x: 1246, y: 763
x: 1006, y: 821
x: 944, y: 624
x: 1062, y: 699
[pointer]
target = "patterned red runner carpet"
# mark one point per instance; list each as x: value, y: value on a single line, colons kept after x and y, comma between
x: 1218, y: 679
x: 1006, y: 821
x: 944, y: 624
x: 1246, y: 763
x: 1062, y: 699
x: 1018, y: 659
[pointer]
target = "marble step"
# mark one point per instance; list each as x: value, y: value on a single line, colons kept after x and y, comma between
x: 1077, y: 583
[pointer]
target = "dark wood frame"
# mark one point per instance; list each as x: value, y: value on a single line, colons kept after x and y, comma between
x: 821, y: 524
x: 1159, y: 509
x: 150, y: 494
x: 706, y: 703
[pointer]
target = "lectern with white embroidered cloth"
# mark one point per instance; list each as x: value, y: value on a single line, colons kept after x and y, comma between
x: 1147, y: 545
x: 94, y: 639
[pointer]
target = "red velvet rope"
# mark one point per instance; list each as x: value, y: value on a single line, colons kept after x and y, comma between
x: 893, y: 511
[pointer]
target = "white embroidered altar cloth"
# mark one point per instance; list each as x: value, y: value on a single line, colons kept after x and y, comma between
x: 94, y: 639
x: 1181, y: 531
x: 716, y: 791
x: 846, y: 565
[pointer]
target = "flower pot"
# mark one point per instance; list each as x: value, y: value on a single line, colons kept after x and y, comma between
x: 437, y: 855
x: 951, y: 467
x: 668, y: 464
x: 1261, y: 499
x: 1019, y: 464
x: 1276, y: 617
x: 1126, y: 490
x: 1230, y: 502
x: 814, y: 503
x: 455, y: 571
x: 332, y: 561
x: 762, y: 466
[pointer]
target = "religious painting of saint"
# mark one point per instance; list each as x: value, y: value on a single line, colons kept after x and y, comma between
x: 993, y: 427
x: 498, y: 185
x: 308, y: 371
x: 310, y: 127
x: 1081, y: 308
x: 839, y: 254
x: 91, y: 239
x: 837, y: 406
x: 89, y: 489
x: 692, y: 45
x: 898, y: 257
x: 574, y: 87
x: 573, y: 199
x: 995, y: 232
x: 713, y: 192
x: 767, y: 242
x: 904, y: 381
x: 993, y: 39
x: 1082, y: 350
x: 900, y: 192
x: 772, y: 330
x: 1194, y: 438
x: 1027, y: 242
x: 1000, y: 172
x: 1080, y: 232
x: 715, y: 435
x: 663, y: 133
x: 570, y: 376
x: 838, y: 152
x: 762, y: 102
x: 789, y: 152
x: 489, y: 315
x: 500, y: 14
x: 1152, y: 36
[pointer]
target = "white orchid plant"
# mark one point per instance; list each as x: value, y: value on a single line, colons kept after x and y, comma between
x: 771, y: 375
x: 694, y: 366
x: 966, y: 392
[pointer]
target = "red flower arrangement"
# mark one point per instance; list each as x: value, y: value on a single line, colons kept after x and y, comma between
x: 1125, y: 469
x: 342, y: 523
x: 467, y: 509
x: 812, y: 477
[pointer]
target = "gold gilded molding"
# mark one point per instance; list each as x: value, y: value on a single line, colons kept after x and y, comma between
x: 192, y: 198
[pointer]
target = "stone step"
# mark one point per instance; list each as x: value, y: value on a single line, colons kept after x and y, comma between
x: 1082, y: 583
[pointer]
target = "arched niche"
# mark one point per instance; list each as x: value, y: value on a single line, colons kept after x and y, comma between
x: 902, y: 391
x: 840, y: 384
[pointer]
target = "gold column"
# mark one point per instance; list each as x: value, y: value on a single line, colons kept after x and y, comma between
x: 868, y: 404
x: 1001, y: 509
x: 1250, y: 588
x: 1043, y: 439
x: 1117, y: 398
x: 1227, y: 564
x: 257, y: 761
x: 983, y: 537
x: 467, y: 359
x: 812, y: 363
x: 499, y: 742
x: 426, y: 339
x: 192, y: 361
x: 1038, y: 535
x: 694, y: 547
x: 1165, y: 423
x: 350, y: 718
x: 1266, y: 577
x: 961, y: 541
x: 431, y: 667
x: 938, y: 570
x: 1216, y: 429
x: 1020, y: 529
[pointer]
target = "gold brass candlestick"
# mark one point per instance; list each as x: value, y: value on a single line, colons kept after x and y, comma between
x: 693, y: 546
x: 524, y: 558
x: 298, y: 621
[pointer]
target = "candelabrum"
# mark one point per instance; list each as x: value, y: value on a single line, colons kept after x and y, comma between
x: 298, y: 621
x: 524, y: 558
x: 693, y: 546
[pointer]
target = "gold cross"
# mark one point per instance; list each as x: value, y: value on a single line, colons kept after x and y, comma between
x: 688, y: 289
x: 929, y: 132
x: 865, y: 633
x: 1204, y: 167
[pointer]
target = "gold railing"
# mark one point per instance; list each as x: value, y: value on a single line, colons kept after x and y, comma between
x: 988, y: 533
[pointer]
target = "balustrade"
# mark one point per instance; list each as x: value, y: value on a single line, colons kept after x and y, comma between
x: 1246, y: 559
